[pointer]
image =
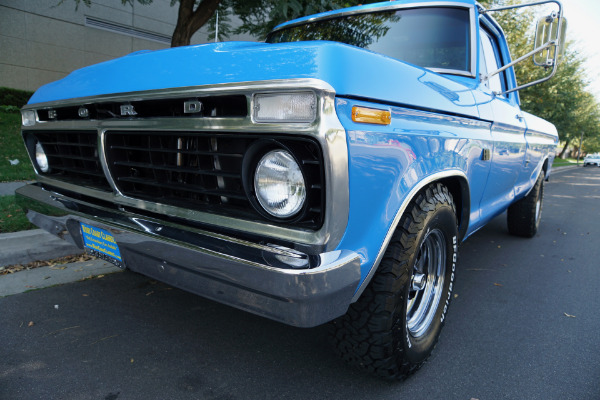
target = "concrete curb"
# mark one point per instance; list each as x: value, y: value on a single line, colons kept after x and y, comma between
x: 34, y: 245
x: 42, y: 277
x: 8, y: 188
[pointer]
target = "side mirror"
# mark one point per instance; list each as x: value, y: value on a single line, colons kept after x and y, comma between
x: 549, y: 42
x: 550, y: 36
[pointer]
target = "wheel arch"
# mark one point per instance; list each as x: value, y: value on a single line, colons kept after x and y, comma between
x: 545, y: 169
x: 457, y: 183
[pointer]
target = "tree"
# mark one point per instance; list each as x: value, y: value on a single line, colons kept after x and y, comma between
x: 191, y: 17
x: 258, y: 16
x: 563, y: 100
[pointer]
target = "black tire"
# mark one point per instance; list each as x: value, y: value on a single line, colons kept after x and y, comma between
x: 524, y: 216
x: 383, y: 331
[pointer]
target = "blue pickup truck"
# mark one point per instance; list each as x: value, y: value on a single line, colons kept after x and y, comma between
x: 327, y: 175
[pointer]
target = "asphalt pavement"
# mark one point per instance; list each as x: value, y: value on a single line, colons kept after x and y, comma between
x: 523, y: 325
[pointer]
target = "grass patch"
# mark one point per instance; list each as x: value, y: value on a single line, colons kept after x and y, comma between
x: 12, y: 217
x: 559, y: 162
x: 12, y: 148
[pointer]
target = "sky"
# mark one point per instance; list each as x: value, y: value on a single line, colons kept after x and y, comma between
x: 583, y: 18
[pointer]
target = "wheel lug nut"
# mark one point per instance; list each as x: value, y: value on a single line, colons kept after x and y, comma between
x: 419, y: 281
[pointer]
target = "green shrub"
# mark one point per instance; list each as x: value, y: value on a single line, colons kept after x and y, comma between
x: 14, y: 97
x: 10, y: 109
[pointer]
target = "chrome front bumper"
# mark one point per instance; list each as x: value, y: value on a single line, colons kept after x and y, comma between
x: 212, y: 265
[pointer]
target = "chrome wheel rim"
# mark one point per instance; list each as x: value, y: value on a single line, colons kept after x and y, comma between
x: 427, y: 283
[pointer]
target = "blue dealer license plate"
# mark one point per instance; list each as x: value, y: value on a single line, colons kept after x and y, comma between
x: 101, y: 244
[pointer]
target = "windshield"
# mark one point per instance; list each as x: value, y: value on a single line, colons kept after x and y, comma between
x: 430, y: 37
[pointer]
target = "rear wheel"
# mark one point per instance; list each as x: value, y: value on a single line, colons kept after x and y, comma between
x: 524, y: 216
x: 394, y: 326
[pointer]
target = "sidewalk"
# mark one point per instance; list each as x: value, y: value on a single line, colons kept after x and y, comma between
x: 38, y: 245
x: 42, y: 277
x: 8, y: 188
x: 34, y: 245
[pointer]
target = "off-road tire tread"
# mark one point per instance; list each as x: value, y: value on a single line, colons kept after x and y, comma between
x: 364, y: 336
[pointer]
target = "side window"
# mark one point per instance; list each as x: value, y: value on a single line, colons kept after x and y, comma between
x: 491, y: 61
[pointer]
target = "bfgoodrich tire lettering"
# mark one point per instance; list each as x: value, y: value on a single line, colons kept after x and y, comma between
x: 524, y: 216
x: 394, y: 326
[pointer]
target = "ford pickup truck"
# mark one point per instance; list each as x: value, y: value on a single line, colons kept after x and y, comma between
x: 327, y: 175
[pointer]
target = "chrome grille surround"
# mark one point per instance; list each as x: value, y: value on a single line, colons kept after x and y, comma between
x: 326, y: 130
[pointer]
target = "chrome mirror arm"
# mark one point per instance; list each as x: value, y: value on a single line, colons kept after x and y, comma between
x: 552, y: 43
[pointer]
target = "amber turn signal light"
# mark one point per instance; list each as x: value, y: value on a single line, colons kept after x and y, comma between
x: 371, y: 116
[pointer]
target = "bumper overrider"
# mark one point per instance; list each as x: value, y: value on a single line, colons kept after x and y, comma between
x: 212, y: 265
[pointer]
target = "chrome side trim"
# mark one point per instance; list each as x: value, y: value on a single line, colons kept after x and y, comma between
x: 388, y: 237
x: 326, y: 129
x: 363, y: 10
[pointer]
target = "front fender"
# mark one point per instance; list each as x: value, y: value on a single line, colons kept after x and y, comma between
x: 388, y: 165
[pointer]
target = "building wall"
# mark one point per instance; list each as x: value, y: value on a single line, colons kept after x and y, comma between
x: 44, y: 40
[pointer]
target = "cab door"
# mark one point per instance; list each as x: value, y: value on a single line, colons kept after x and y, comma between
x: 507, y: 130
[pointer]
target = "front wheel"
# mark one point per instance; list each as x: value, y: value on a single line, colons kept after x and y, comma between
x: 394, y: 326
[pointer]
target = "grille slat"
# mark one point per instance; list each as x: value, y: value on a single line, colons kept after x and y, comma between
x: 187, y: 188
x: 80, y: 171
x: 74, y: 145
x: 69, y: 157
x: 179, y: 169
x: 175, y: 151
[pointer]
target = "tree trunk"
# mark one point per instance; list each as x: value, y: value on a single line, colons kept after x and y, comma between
x: 190, y: 20
x: 564, y: 150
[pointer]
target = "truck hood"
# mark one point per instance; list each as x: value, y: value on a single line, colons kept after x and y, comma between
x: 351, y: 71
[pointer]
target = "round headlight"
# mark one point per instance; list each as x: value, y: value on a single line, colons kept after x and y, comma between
x: 40, y: 158
x: 279, y: 184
